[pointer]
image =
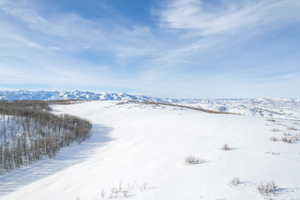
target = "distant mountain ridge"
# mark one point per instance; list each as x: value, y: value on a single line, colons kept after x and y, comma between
x: 12, y: 95
x: 264, y: 107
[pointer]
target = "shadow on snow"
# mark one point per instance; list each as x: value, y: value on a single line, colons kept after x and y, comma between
x: 66, y: 157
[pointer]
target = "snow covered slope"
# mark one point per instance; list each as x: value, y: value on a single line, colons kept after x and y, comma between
x: 139, y: 151
x: 260, y: 107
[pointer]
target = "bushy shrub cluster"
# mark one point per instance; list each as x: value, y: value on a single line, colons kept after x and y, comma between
x: 267, y: 188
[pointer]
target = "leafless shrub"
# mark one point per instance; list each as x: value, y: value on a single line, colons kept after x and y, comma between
x: 118, y: 192
x: 267, y: 188
x: 289, y: 139
x: 226, y: 147
x: 275, y: 130
x: 292, y: 129
x: 287, y: 134
x: 193, y: 160
x: 273, y: 153
x: 103, y: 194
x: 124, y: 191
x: 274, y: 139
x: 286, y: 138
x: 144, y: 187
x: 235, y: 181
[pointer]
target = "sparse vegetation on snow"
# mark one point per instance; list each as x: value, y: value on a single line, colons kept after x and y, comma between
x: 136, y: 142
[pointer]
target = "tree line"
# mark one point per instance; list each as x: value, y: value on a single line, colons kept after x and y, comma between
x: 28, y: 132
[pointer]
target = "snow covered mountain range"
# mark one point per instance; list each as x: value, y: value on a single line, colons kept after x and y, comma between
x: 263, y: 107
x: 65, y: 95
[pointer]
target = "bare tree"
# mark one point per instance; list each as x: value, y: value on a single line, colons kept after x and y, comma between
x: 28, y: 131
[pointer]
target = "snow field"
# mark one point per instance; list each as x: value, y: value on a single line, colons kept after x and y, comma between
x: 144, y: 151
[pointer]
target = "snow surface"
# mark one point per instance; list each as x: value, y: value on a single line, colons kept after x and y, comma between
x: 139, y: 151
x: 260, y: 107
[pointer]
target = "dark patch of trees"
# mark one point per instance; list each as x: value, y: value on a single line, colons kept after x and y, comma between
x: 28, y: 132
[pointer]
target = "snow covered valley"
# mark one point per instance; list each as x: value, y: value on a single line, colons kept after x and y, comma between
x: 153, y: 152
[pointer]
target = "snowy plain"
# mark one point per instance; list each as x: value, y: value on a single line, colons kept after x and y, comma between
x: 140, y: 151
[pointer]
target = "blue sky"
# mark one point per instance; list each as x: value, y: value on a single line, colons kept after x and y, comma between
x: 169, y: 48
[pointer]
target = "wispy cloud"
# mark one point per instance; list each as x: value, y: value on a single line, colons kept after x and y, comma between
x: 204, y: 25
x: 43, y: 47
x: 55, y: 49
x: 205, y: 18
